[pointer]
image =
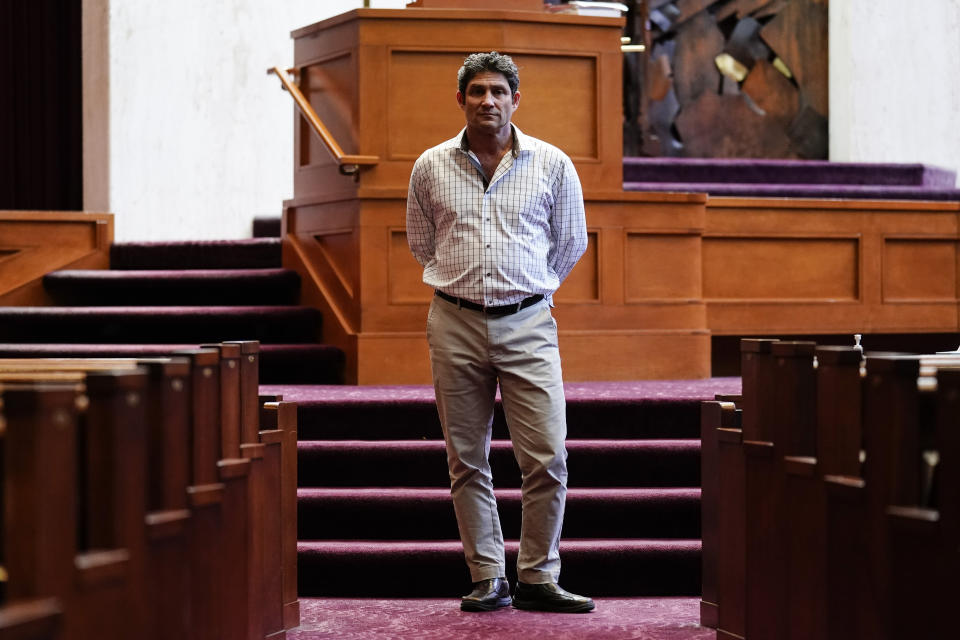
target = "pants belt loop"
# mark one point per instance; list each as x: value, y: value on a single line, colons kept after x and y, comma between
x: 459, y: 300
x: 519, y: 306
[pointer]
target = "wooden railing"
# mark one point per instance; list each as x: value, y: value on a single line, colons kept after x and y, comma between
x: 349, y: 164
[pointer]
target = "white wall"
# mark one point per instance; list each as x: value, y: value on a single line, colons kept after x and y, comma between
x: 185, y: 134
x: 895, y: 81
x: 186, y: 137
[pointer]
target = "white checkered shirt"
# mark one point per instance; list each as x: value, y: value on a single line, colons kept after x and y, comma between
x: 496, y: 244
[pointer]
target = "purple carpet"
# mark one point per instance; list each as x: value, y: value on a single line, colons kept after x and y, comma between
x: 374, y: 498
x: 613, y: 619
x: 162, y: 296
x: 775, y: 178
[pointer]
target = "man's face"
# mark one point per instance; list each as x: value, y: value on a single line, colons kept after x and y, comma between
x: 487, y: 102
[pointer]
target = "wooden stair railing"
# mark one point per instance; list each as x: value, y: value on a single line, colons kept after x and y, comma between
x: 349, y: 164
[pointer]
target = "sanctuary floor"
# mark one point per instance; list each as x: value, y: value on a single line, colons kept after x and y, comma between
x: 435, y: 619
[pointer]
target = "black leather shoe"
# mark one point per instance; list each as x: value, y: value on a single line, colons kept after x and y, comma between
x: 549, y: 597
x: 487, y: 595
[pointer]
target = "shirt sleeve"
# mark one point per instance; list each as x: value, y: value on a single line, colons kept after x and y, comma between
x: 568, y: 224
x: 421, y: 233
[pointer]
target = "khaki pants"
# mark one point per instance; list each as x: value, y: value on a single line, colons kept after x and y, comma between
x: 469, y: 353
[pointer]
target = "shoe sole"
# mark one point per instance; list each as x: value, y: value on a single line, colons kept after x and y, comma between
x: 471, y: 606
x: 525, y: 605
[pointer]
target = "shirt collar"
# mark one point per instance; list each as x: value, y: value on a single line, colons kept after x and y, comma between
x: 521, y: 141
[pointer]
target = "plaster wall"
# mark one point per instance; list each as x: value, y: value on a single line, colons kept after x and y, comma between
x: 185, y: 134
x: 187, y: 137
x: 895, y: 81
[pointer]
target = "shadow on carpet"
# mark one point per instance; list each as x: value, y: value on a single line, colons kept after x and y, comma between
x: 613, y: 619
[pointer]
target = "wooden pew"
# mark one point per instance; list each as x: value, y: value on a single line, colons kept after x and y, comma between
x: 828, y: 409
x: 248, y: 562
x: 37, y: 619
x: 714, y: 415
x: 164, y: 412
x: 97, y: 575
x: 863, y: 563
x: 263, y: 449
x: 868, y: 551
x: 38, y: 435
x: 922, y: 535
x: 279, y: 421
x: 732, y: 490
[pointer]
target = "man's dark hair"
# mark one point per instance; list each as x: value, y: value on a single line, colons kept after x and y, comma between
x: 493, y: 61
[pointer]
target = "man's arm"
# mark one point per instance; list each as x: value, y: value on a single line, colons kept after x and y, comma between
x: 568, y: 224
x: 421, y: 234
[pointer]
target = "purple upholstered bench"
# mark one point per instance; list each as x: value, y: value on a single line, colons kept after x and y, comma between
x: 760, y: 178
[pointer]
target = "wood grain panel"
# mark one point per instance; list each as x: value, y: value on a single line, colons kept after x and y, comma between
x: 339, y: 252
x: 34, y: 243
x: 330, y: 87
x: 770, y: 268
x: 583, y: 283
x: 662, y: 267
x: 919, y: 270
x: 423, y: 109
x: 559, y: 95
x: 405, y: 274
x: 422, y: 99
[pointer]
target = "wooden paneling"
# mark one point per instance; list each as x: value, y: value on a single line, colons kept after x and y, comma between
x: 583, y: 283
x: 405, y: 273
x: 330, y: 87
x: 565, y: 113
x: 603, y: 335
x: 772, y: 268
x: 421, y: 94
x: 34, y: 243
x: 875, y: 267
x: 919, y: 270
x: 560, y: 102
x: 662, y: 267
x: 387, y: 81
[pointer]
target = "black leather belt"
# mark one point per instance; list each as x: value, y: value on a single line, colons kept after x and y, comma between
x: 503, y: 310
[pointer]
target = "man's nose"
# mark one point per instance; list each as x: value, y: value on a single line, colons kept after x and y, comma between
x: 488, y: 97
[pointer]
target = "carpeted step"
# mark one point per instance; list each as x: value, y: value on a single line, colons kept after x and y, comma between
x: 615, y: 618
x: 423, y: 463
x: 267, y: 226
x: 400, y: 539
x: 619, y: 410
x: 279, y: 363
x: 315, y: 364
x: 173, y: 287
x: 419, y: 568
x: 159, y: 324
x: 253, y: 253
x: 427, y: 513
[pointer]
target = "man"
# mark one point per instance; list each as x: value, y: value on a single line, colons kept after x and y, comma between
x: 496, y: 219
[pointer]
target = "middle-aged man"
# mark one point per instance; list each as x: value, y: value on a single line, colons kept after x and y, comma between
x: 496, y: 219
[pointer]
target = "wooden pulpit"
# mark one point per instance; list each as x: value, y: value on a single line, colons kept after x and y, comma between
x: 383, y: 86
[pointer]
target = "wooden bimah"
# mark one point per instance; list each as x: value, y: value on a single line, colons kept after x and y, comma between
x: 383, y: 82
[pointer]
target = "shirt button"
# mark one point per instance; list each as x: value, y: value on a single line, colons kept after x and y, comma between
x: 488, y: 275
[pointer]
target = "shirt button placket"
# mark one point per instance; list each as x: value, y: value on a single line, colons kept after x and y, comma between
x: 485, y: 257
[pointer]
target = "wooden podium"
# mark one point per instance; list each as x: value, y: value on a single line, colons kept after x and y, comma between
x: 383, y: 82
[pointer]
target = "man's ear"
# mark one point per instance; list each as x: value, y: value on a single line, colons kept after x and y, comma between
x: 516, y: 99
x: 460, y: 99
